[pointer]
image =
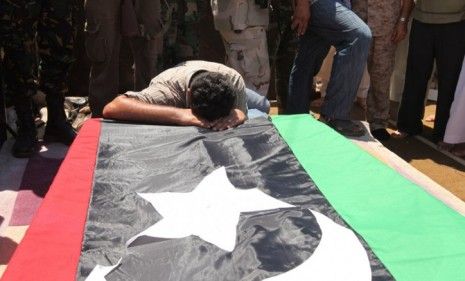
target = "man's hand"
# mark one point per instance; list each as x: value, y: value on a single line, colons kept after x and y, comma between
x: 301, y: 17
x: 187, y: 118
x: 235, y: 118
x: 399, y: 33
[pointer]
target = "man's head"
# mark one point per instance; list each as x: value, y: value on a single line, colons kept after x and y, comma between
x: 212, y: 95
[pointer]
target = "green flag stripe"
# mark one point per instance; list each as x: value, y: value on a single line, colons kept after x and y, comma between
x: 415, y: 235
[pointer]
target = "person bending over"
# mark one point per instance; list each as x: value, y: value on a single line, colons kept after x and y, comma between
x: 193, y: 93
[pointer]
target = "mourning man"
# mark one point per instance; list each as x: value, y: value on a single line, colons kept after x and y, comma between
x: 193, y: 93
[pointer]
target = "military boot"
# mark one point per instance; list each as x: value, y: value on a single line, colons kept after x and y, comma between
x: 26, y: 138
x: 58, y: 128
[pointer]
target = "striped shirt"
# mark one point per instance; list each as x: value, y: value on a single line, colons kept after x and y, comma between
x: 170, y: 87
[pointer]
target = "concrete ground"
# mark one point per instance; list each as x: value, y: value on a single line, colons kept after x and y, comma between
x: 421, y: 153
x: 442, y: 167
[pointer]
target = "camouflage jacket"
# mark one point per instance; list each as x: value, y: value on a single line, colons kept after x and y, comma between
x: 148, y: 14
x: 380, y: 15
x: 238, y: 14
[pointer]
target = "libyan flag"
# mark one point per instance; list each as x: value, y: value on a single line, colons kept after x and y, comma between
x: 282, y: 200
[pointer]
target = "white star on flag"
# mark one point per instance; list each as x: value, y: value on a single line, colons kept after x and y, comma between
x: 211, y: 211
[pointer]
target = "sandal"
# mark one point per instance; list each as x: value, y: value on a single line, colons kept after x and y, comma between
x: 346, y: 128
x: 380, y: 134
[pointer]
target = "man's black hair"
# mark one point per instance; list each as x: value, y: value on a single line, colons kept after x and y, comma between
x: 212, y: 95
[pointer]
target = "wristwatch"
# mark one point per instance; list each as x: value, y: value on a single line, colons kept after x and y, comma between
x: 403, y: 19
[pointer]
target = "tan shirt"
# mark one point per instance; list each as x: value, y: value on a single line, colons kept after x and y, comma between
x: 170, y: 87
x: 380, y: 15
x: 238, y: 14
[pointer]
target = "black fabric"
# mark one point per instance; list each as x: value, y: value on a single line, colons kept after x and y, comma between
x: 144, y: 158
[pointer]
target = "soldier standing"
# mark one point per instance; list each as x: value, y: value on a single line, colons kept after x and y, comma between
x: 47, y: 24
x: 242, y: 25
x: 181, y: 42
x: 106, y: 23
x: 388, y: 21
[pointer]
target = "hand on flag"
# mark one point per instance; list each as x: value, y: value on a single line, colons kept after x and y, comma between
x: 234, y: 119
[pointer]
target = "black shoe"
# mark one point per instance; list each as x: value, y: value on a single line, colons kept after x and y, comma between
x: 26, y: 139
x: 62, y: 132
x: 346, y: 128
x: 57, y: 129
x: 381, y: 134
x: 25, y: 144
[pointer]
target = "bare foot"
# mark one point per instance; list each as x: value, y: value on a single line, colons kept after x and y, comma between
x: 430, y: 118
x: 399, y: 135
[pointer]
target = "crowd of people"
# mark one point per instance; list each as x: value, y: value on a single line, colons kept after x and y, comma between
x: 155, y: 44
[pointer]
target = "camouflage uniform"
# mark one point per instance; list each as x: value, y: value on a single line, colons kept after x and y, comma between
x: 381, y: 16
x: 52, y: 21
x: 242, y: 25
x: 34, y: 31
x: 104, y: 29
x: 181, y: 42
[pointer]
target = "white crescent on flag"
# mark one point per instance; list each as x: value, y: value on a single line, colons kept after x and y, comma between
x: 212, y: 210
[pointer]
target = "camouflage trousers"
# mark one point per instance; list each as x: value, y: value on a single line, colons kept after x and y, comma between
x: 34, y: 31
x: 181, y: 40
x: 247, y: 52
x: 380, y: 67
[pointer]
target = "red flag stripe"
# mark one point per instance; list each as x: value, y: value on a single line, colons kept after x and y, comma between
x: 52, y: 245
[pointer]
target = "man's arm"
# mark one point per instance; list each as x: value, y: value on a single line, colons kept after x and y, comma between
x: 400, y: 31
x: 301, y: 17
x: 130, y: 109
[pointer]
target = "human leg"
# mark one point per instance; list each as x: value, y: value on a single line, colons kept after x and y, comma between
x: 257, y: 101
x: 455, y: 131
x: 450, y: 46
x: 126, y: 66
x: 362, y: 92
x: 17, y: 40
x: 312, y: 49
x: 55, y: 41
x: 283, y: 50
x: 187, y: 40
x: 145, y: 52
x: 102, y: 46
x: 247, y: 52
x: 419, y: 67
x: 351, y: 38
x: 381, y: 65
